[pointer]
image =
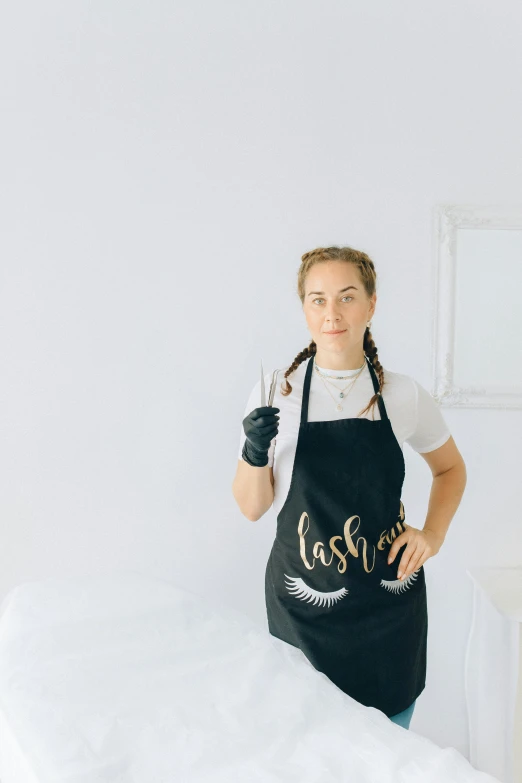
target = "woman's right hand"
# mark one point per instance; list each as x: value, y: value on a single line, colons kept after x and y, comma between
x: 260, y: 427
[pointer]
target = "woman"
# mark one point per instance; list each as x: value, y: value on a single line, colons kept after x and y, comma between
x: 345, y: 578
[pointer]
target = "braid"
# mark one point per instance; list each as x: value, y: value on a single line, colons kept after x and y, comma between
x: 370, y: 349
x: 368, y: 276
x: 310, y: 350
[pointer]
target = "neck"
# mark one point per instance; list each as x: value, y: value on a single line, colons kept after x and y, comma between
x: 351, y: 360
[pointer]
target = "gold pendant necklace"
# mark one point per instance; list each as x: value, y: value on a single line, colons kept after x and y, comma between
x: 341, y: 393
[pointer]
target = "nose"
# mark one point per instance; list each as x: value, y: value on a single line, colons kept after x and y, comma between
x: 332, y: 316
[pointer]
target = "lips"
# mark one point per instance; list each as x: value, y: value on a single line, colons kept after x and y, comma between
x: 336, y: 331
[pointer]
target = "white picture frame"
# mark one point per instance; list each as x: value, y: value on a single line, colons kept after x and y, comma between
x: 477, y: 312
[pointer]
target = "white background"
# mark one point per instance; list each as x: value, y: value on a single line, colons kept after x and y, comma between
x: 163, y: 167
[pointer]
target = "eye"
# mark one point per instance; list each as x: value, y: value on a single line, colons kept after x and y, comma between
x: 344, y: 297
x: 302, y: 591
x: 399, y: 585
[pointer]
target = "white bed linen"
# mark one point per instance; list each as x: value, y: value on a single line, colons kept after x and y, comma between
x: 129, y: 679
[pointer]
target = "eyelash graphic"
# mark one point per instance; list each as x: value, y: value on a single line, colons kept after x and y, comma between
x: 399, y: 585
x: 301, y: 590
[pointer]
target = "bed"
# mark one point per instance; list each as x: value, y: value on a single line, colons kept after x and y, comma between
x: 125, y: 678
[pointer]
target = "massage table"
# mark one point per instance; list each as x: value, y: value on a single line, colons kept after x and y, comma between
x: 124, y: 678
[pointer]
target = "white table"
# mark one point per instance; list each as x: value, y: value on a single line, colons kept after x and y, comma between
x: 493, y: 673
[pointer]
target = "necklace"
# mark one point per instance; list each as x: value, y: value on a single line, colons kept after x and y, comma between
x: 341, y: 393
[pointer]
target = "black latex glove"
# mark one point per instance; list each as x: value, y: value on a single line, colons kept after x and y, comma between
x: 260, y: 426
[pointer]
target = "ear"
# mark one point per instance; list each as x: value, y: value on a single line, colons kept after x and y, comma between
x: 373, y: 300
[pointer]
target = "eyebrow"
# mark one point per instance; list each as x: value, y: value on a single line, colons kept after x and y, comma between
x: 340, y: 291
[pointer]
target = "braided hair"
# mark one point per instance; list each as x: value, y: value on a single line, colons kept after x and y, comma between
x: 368, y: 277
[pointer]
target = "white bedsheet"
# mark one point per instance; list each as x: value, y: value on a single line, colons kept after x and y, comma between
x: 129, y: 679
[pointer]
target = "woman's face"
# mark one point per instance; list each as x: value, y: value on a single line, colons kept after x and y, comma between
x: 327, y: 306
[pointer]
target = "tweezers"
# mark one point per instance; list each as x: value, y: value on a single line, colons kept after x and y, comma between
x: 272, y: 388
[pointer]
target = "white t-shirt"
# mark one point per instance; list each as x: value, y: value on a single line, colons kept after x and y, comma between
x: 414, y: 415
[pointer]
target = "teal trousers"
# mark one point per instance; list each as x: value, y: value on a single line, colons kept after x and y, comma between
x: 403, y: 718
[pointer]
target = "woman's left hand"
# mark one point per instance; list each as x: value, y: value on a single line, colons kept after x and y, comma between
x: 421, y: 544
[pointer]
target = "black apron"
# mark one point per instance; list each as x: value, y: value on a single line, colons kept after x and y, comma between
x: 328, y: 587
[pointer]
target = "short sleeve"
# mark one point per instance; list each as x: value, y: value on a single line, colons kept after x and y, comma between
x: 254, y: 401
x: 431, y: 430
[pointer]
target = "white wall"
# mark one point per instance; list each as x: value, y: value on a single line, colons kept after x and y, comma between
x: 163, y: 167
